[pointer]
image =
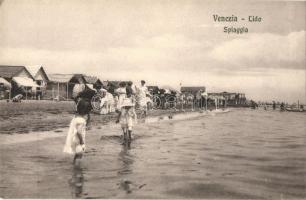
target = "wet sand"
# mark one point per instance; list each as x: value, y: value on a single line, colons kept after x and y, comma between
x: 207, y: 156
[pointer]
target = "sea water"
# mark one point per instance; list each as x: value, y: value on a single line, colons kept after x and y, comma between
x: 241, y: 154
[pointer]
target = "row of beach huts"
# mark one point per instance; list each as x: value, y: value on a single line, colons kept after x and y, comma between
x: 33, y: 82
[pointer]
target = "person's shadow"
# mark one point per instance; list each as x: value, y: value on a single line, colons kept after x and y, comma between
x: 77, y: 180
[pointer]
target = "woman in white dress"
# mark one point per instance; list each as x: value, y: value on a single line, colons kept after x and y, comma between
x: 142, y: 96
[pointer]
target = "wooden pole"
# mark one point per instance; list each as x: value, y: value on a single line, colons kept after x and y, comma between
x: 67, y: 91
x: 10, y: 94
x: 58, y: 91
x: 216, y: 103
x: 52, y: 93
x: 26, y: 93
x: 192, y: 104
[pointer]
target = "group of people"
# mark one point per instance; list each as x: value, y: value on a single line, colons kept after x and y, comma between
x: 128, y: 97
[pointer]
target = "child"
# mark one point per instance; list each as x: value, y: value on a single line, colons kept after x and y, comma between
x: 86, y: 94
x: 132, y: 91
x: 121, y: 92
x: 75, y: 141
x: 126, y: 119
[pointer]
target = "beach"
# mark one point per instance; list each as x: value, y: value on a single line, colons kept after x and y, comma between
x: 241, y: 154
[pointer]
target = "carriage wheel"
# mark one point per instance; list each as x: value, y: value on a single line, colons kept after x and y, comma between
x: 171, y: 102
x: 156, y: 102
x: 96, y: 102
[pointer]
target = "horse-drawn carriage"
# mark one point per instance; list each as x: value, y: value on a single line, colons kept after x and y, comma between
x: 163, y: 98
x: 103, y: 101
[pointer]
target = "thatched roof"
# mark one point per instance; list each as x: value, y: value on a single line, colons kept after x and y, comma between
x: 11, y: 71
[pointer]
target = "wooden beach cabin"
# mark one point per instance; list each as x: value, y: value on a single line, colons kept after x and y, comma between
x: 41, y: 78
x: 21, y: 80
x: 5, y: 88
x: 60, y: 86
x: 234, y: 98
x: 192, y: 90
x: 231, y: 98
x: 93, y: 82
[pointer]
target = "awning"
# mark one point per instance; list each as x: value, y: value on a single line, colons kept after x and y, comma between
x: 24, y: 81
x: 5, y: 83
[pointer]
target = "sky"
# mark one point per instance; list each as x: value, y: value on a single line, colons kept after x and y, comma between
x: 163, y: 42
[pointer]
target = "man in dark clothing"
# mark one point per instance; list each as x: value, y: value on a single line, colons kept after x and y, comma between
x: 162, y: 97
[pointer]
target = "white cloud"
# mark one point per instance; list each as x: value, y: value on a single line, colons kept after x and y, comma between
x: 263, y: 50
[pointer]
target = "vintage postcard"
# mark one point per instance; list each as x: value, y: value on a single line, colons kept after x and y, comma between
x: 152, y: 99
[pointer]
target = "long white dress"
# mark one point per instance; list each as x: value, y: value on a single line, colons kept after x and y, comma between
x: 77, y: 124
x: 142, y: 95
x: 121, y: 96
x: 107, y: 103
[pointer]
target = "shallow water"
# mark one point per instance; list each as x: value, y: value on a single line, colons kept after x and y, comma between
x: 240, y: 154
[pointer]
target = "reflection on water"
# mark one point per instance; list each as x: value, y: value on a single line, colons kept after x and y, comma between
x: 127, y: 160
x: 77, y: 181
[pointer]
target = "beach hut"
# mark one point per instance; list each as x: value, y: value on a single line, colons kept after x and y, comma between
x: 21, y: 80
x: 93, y: 82
x: 234, y: 98
x: 40, y: 77
x: 8, y: 72
x: 60, y: 86
x: 5, y: 88
x: 192, y: 90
